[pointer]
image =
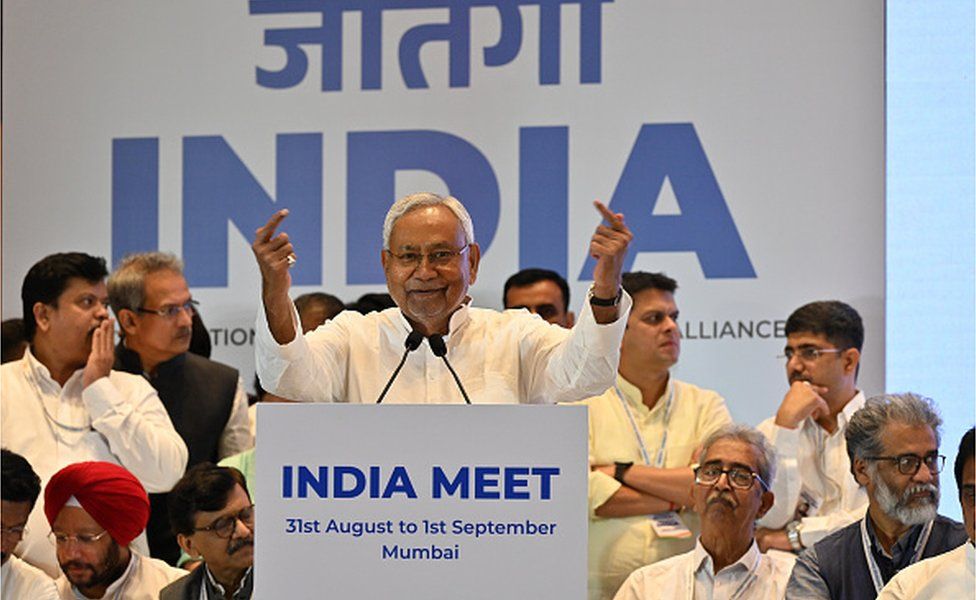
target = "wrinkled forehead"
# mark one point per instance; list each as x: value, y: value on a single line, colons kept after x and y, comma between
x: 730, y: 451
x: 426, y: 226
x: 899, y: 437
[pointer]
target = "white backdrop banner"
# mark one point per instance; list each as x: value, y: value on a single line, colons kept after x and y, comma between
x: 743, y: 141
x: 437, y: 502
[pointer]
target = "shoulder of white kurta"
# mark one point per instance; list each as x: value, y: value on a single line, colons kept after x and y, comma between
x: 124, y: 382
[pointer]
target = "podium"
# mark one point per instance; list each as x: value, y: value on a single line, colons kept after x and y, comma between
x: 421, y: 502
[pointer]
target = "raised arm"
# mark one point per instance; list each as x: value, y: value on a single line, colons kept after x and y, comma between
x: 275, y: 255
x: 609, y: 247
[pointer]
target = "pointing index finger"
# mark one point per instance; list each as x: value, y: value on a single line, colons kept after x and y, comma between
x: 266, y: 232
x: 615, y: 221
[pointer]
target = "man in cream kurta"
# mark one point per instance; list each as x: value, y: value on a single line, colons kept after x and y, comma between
x: 643, y: 435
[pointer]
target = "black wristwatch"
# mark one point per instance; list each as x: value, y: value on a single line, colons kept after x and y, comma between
x: 619, y: 468
x: 595, y: 301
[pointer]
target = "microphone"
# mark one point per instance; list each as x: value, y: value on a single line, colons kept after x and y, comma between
x: 411, y: 344
x: 439, y: 348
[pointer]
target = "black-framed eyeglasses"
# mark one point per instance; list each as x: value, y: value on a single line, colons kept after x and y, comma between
x: 909, y: 464
x: 224, y: 526
x: 739, y: 477
x: 807, y: 353
x: 171, y: 311
x: 85, y: 539
x: 440, y: 257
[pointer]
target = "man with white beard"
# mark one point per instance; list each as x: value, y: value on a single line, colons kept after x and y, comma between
x: 893, y: 445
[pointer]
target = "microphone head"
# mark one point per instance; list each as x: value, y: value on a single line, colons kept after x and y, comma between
x: 413, y: 340
x: 437, y: 345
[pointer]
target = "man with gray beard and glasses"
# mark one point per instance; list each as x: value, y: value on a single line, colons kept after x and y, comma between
x: 893, y: 445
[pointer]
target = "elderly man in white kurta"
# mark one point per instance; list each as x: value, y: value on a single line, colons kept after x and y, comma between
x: 731, y: 491
x: 430, y: 259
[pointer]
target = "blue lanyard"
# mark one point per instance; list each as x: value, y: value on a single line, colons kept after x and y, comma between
x: 668, y: 405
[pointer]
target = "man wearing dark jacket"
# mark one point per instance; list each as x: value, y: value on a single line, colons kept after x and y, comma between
x: 893, y: 443
x: 205, y: 399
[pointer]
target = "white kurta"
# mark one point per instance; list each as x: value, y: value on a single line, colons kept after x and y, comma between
x: 813, y: 463
x: 121, y: 420
x: 948, y: 576
x: 237, y: 435
x: 142, y: 580
x: 617, y: 546
x: 500, y: 357
x: 690, y: 576
x: 20, y: 580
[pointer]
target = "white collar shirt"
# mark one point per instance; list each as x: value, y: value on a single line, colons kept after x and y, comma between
x: 813, y: 477
x: 689, y: 576
x: 948, y: 576
x: 117, y: 419
x: 500, y: 357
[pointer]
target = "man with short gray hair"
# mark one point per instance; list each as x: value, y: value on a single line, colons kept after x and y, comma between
x: 893, y: 444
x: 205, y: 399
x: 731, y: 491
x: 430, y: 259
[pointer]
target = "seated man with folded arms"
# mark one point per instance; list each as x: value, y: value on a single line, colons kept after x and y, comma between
x: 19, y: 488
x: 815, y: 492
x: 893, y: 445
x: 643, y: 435
x: 731, y: 491
x: 213, y: 517
x: 948, y: 575
x: 95, y: 510
x: 542, y: 292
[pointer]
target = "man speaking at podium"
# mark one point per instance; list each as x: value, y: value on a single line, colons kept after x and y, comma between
x: 430, y: 259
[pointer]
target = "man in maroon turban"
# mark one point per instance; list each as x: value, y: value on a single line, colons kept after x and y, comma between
x: 95, y: 510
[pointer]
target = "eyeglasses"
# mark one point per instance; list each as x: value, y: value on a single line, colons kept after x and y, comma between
x: 807, y: 353
x: 909, y: 464
x: 14, y: 532
x: 85, y: 539
x: 435, y: 258
x: 171, y: 311
x: 224, y: 526
x: 739, y: 477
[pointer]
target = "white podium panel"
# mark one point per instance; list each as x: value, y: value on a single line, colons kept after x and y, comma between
x: 425, y: 502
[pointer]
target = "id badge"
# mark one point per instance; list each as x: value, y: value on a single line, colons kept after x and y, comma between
x: 669, y: 525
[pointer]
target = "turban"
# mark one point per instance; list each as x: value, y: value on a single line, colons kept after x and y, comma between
x: 107, y: 492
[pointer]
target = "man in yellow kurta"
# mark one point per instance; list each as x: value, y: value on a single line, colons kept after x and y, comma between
x: 644, y: 433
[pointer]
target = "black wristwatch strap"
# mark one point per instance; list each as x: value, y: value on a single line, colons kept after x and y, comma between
x: 595, y: 301
x: 619, y: 468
